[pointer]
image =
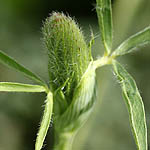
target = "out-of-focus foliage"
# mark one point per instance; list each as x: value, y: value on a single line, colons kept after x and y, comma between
x: 20, y: 37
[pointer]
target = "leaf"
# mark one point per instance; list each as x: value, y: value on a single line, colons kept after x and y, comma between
x: 6, y: 60
x: 104, y: 13
x: 134, y: 105
x: 45, y: 122
x: 81, y: 106
x: 19, y: 87
x: 133, y: 42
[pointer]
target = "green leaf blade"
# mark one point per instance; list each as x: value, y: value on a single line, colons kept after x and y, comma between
x: 133, y: 42
x: 10, y: 62
x: 45, y: 122
x: 19, y: 87
x: 82, y: 104
x: 134, y: 105
x: 104, y: 13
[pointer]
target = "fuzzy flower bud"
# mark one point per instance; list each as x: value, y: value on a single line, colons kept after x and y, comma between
x: 71, y: 72
x: 69, y: 55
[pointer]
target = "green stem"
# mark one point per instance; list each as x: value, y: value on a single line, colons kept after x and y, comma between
x: 105, y: 60
x: 63, y: 141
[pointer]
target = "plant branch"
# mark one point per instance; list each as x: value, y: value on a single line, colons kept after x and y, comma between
x: 105, y: 60
x: 63, y: 141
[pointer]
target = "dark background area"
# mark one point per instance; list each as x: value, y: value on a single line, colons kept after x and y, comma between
x: 36, y: 10
x: 20, y: 37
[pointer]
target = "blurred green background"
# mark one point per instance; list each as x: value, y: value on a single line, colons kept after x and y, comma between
x: 20, y: 37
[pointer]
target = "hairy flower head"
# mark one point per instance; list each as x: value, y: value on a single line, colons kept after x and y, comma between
x: 68, y: 53
x: 71, y: 72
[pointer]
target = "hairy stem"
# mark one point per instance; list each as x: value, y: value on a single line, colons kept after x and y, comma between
x: 105, y: 60
x: 63, y: 141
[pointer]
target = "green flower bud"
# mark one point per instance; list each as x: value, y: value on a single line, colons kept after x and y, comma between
x: 68, y: 53
x: 71, y: 73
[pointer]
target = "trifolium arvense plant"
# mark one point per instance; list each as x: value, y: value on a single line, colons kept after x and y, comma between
x: 71, y: 91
